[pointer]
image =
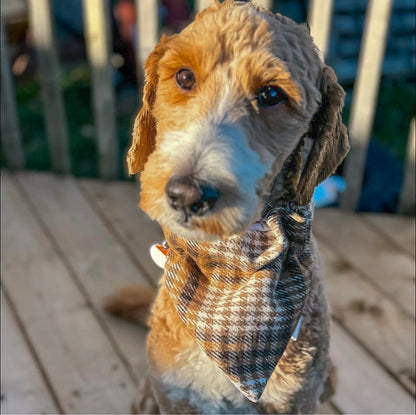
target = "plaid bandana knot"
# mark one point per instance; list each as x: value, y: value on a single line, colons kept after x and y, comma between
x: 242, y: 297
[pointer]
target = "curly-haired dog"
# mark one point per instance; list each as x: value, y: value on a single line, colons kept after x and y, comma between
x: 240, y: 121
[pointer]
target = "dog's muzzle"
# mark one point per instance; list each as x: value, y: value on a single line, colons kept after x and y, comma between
x: 189, y: 196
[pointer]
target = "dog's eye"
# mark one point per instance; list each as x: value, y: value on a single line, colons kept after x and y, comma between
x: 185, y: 79
x: 268, y: 96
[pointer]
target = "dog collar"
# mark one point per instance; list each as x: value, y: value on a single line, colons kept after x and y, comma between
x: 241, y: 298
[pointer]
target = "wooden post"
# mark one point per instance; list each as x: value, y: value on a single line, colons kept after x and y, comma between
x: 11, y: 137
x: 364, y: 99
x: 268, y: 4
x: 319, y: 19
x: 147, y: 32
x: 56, y: 126
x: 98, y: 41
x: 201, y: 4
x: 407, y: 197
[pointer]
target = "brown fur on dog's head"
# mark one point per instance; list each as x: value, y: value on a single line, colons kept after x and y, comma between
x: 234, y: 48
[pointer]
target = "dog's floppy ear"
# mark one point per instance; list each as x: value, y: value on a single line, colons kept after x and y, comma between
x: 144, y: 130
x: 329, y: 137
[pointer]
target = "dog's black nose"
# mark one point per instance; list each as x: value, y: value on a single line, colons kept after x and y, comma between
x: 185, y: 194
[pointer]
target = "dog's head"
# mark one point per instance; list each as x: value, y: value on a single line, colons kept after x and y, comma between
x: 226, y: 102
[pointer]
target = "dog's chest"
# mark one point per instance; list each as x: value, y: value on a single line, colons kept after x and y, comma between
x: 196, y: 377
x: 195, y: 372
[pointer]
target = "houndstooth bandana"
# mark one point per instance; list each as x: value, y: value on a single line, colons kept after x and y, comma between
x: 242, y: 297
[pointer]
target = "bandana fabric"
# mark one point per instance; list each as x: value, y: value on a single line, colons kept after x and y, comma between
x: 241, y: 298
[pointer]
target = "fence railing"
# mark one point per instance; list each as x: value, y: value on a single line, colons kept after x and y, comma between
x: 97, y: 36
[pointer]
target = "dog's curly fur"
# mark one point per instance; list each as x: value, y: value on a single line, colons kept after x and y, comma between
x: 216, y: 133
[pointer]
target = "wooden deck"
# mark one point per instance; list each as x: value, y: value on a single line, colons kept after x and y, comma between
x: 66, y: 244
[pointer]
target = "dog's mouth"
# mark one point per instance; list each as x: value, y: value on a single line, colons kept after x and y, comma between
x: 208, y: 229
x: 214, y: 216
x: 203, y: 183
x: 202, y: 209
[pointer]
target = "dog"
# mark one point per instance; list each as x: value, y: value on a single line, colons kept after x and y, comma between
x: 240, y: 121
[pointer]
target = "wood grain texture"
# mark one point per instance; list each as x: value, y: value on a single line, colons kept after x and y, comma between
x: 92, y: 252
x: 55, y: 118
x: 400, y: 230
x: 97, y: 36
x: 79, y: 360
x: 23, y: 389
x: 319, y: 19
x: 31, y: 268
x: 202, y: 4
x: 389, y: 269
x: 364, y: 99
x: 371, y: 317
x: 363, y: 386
x: 11, y: 136
x: 326, y: 409
x: 147, y: 34
x: 66, y: 245
x: 268, y: 4
x: 118, y: 203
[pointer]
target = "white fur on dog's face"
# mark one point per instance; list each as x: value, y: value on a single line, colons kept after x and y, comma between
x: 216, y: 133
x: 219, y: 156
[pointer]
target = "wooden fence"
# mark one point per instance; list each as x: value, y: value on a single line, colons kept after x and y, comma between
x: 99, y: 48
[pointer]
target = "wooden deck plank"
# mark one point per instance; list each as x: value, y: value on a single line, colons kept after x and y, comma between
x: 363, y: 386
x: 92, y: 252
x: 75, y: 353
x: 23, y: 389
x: 91, y: 377
x: 371, y: 317
x: 95, y: 220
x: 326, y: 409
x: 387, y: 267
x: 118, y: 203
x: 30, y: 267
x: 397, y: 229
